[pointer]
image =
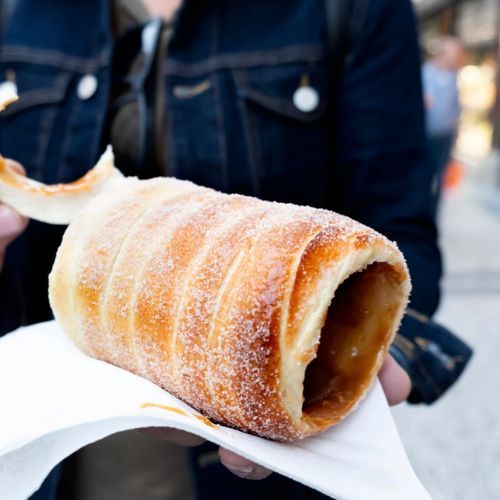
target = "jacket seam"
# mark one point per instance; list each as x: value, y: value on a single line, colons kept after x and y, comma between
x: 252, y: 141
x: 311, y: 53
x: 54, y: 58
x: 44, y: 132
x: 46, y: 125
x: 219, y: 117
x: 69, y: 135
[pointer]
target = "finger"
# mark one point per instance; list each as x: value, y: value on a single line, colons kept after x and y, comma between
x: 242, y: 467
x: 174, y: 436
x: 17, y: 167
x: 395, y: 381
x: 11, y: 225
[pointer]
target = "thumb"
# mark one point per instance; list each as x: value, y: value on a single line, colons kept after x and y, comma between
x: 395, y: 381
x: 242, y: 467
x: 12, y: 224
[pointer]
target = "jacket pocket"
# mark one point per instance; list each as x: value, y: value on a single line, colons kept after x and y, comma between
x: 283, y: 114
x: 195, y: 130
x: 26, y: 126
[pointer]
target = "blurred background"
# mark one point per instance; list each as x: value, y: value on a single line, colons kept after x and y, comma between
x: 455, y: 444
x: 477, y: 24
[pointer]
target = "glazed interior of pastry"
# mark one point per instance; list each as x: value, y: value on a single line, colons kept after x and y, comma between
x: 357, y: 328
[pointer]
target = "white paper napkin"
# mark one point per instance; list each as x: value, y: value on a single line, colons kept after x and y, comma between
x: 55, y: 400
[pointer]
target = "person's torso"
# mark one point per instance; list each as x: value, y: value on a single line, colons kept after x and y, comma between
x: 231, y: 122
x: 442, y: 92
x: 234, y: 118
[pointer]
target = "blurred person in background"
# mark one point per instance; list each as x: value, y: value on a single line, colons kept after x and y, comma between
x: 442, y: 103
x: 240, y: 97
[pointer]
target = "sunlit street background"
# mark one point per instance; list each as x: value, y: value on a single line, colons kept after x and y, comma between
x: 455, y: 444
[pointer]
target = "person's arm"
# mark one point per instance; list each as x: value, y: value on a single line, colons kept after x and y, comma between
x: 382, y: 179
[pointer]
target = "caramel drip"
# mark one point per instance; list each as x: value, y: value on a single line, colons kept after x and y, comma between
x: 201, y: 418
x: 165, y: 407
x: 206, y: 421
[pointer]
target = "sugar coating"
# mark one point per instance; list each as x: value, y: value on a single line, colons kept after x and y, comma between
x: 193, y: 289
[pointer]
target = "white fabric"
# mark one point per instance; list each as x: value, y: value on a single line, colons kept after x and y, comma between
x: 55, y: 400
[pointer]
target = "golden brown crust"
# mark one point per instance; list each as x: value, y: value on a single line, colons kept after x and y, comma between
x: 222, y: 300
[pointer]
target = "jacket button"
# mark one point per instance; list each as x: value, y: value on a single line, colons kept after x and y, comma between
x: 8, y: 87
x: 86, y: 87
x: 306, y: 99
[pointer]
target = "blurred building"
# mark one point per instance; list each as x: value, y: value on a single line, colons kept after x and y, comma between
x: 477, y: 24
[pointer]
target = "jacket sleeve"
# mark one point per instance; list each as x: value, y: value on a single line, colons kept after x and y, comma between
x: 382, y: 178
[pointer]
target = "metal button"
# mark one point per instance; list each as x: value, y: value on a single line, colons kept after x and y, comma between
x: 8, y: 87
x: 86, y: 87
x: 306, y: 99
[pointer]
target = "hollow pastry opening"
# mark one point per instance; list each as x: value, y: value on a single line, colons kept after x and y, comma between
x: 359, y: 321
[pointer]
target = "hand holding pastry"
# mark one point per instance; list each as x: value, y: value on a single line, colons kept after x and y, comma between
x: 394, y: 381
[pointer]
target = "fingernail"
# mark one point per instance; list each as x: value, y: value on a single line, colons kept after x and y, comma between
x: 243, y: 471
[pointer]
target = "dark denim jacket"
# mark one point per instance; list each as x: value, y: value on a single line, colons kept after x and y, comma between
x: 242, y: 132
